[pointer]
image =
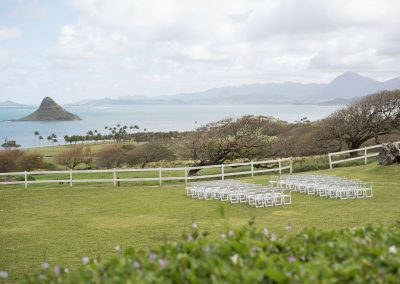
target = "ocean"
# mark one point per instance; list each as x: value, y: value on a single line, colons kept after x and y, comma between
x: 151, y: 117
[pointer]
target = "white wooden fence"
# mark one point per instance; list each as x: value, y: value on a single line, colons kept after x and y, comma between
x: 364, y: 155
x: 115, y: 180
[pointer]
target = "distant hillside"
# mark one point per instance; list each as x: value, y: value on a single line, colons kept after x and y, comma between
x: 343, y: 89
x: 338, y: 102
x: 350, y: 85
x: 140, y: 100
x: 268, y: 93
x: 11, y: 104
x: 49, y: 110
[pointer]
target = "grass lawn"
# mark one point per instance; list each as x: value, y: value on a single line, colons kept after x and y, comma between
x: 60, y: 225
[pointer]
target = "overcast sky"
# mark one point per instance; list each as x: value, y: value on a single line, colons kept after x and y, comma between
x: 85, y: 49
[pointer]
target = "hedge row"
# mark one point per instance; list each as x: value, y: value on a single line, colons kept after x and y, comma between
x: 248, y: 255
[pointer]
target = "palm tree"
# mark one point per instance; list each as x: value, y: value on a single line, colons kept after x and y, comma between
x: 89, y: 135
x: 54, y: 141
x: 36, y: 134
x: 49, y: 138
x: 40, y: 138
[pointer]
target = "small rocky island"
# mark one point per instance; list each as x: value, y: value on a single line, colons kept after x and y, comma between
x: 49, y: 110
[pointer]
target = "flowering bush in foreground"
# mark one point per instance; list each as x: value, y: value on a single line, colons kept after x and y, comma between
x: 247, y: 255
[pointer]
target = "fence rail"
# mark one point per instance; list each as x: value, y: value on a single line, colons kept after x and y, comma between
x: 365, y: 155
x: 282, y: 164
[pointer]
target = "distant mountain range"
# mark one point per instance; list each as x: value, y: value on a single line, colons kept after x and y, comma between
x: 344, y: 89
x: 11, y: 104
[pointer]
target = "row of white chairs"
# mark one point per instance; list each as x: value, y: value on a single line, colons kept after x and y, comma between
x: 324, y: 185
x: 235, y: 191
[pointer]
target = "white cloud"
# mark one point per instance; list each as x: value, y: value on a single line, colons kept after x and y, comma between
x: 86, y: 41
x: 156, y: 77
x: 171, y: 46
x: 9, y: 32
x: 274, y: 37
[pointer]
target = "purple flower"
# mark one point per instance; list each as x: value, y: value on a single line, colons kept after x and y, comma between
x: 57, y: 270
x: 194, y: 226
x: 152, y: 257
x: 163, y: 262
x: 3, y: 274
x: 255, y: 249
x: 266, y: 232
x: 44, y: 265
x: 136, y: 264
x: 207, y: 249
x: 230, y: 233
x: 288, y: 227
x: 291, y: 258
x: 190, y: 238
x: 85, y: 260
x: 273, y: 237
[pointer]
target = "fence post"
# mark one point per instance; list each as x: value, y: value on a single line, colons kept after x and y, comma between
x: 160, y: 175
x: 330, y: 160
x: 26, y: 180
x: 115, y: 177
x: 70, y: 177
x: 252, y: 168
x: 280, y: 166
x: 291, y: 165
x: 186, y: 175
x: 222, y: 172
x: 365, y: 155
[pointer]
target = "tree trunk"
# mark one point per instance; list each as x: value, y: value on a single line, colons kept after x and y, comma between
x: 354, y: 145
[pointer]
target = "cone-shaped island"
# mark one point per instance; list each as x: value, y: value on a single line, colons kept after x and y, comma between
x: 49, y: 110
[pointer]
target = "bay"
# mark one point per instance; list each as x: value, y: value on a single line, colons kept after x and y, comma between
x: 151, y: 117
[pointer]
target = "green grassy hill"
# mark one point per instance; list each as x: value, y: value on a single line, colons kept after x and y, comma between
x: 60, y: 225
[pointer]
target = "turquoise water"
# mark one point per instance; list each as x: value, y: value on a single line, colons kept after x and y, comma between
x: 152, y: 117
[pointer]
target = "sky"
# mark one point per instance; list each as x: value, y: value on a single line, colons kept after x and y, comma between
x: 74, y: 50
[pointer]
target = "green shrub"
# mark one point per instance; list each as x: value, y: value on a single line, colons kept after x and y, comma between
x: 247, y: 255
x: 18, y: 160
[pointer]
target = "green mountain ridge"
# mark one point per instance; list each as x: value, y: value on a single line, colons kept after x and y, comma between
x: 49, y: 110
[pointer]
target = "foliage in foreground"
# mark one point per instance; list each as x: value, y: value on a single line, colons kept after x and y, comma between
x: 247, y: 255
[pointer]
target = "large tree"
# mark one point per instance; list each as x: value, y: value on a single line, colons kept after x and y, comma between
x: 154, y: 151
x: 110, y: 156
x: 248, y: 138
x: 370, y: 117
x: 73, y: 157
